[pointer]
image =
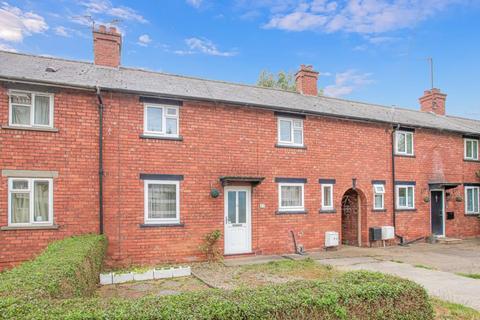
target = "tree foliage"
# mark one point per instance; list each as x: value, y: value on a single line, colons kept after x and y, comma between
x: 282, y: 80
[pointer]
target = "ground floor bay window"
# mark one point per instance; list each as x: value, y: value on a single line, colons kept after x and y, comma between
x: 30, y: 202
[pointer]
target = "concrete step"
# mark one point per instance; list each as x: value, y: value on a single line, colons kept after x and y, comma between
x: 449, y: 240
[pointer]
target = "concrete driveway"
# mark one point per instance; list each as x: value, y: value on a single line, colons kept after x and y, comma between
x: 433, y: 266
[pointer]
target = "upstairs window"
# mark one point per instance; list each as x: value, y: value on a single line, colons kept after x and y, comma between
x: 291, y: 197
x: 327, y: 196
x: 290, y: 131
x: 471, y: 149
x: 404, y: 143
x: 160, y: 120
x: 405, y: 197
x: 472, y: 200
x: 378, y: 196
x: 30, y: 202
x: 30, y: 109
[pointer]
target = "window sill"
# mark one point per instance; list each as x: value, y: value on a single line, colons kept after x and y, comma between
x: 161, y: 225
x: 381, y: 210
x: 327, y: 211
x: 471, y: 160
x: 279, y: 145
x: 30, y: 128
x: 405, y: 155
x: 11, y: 228
x: 148, y: 136
x: 280, y: 212
x: 472, y: 214
x: 410, y: 210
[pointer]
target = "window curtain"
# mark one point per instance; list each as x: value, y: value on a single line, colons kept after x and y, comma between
x: 42, y: 110
x: 20, y: 114
x: 154, y: 119
x: 41, y: 201
x: 162, y: 201
x: 20, y: 207
x: 291, y: 196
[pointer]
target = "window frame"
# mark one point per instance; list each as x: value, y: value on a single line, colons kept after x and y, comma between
x: 292, y: 132
x: 164, y: 108
x: 474, y: 156
x: 31, y: 191
x: 397, y: 196
x: 406, y: 133
x: 290, y: 184
x: 175, y: 220
x: 478, y: 200
x: 376, y: 193
x: 324, y: 206
x: 34, y: 94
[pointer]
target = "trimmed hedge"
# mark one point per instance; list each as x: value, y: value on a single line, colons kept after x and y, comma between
x: 66, y: 268
x: 354, y: 295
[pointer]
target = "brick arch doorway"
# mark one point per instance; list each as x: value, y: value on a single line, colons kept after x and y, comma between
x: 354, y: 218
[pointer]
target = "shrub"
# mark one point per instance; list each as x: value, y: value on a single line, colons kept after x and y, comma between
x: 66, y: 268
x: 210, y: 245
x: 355, y: 295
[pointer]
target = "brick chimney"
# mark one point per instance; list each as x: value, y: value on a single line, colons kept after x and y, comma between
x: 306, y: 80
x: 433, y: 101
x: 107, y: 45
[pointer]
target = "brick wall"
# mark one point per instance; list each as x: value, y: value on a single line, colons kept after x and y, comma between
x: 72, y: 152
x: 219, y: 140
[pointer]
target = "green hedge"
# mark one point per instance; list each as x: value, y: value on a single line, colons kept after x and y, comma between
x: 355, y: 295
x: 67, y: 268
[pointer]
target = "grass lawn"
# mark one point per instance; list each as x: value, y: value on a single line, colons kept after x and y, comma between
x: 470, y: 275
x: 452, y: 311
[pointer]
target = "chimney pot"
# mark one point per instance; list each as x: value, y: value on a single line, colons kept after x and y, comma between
x: 306, y: 80
x: 433, y: 101
x: 107, y: 46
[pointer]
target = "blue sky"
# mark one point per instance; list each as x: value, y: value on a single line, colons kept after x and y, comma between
x: 368, y: 50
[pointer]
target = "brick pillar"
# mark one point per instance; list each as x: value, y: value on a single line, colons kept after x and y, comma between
x: 306, y: 80
x: 433, y: 101
x: 107, y: 45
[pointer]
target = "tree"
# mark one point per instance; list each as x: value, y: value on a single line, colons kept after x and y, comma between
x: 282, y: 80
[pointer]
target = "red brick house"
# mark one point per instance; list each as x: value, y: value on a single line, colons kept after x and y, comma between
x: 156, y: 161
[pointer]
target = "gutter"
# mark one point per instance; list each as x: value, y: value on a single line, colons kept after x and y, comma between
x: 258, y: 106
x: 100, y: 159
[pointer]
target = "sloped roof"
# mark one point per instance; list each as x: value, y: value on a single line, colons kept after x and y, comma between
x: 23, y: 67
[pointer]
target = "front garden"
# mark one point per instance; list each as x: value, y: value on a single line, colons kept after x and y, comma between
x: 62, y: 283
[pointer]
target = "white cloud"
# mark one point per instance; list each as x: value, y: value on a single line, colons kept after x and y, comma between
x: 6, y: 47
x: 346, y: 82
x: 105, y: 7
x: 16, y: 24
x: 195, y: 3
x: 62, y: 31
x: 144, y: 40
x: 205, y: 46
x: 356, y: 16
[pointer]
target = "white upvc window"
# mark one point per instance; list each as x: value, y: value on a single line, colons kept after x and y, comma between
x: 378, y: 196
x: 327, y: 196
x: 160, y: 120
x: 162, y: 202
x: 405, y: 196
x: 30, y: 201
x: 30, y: 109
x: 404, y: 143
x: 472, y: 200
x: 471, y: 149
x: 291, y: 197
x: 290, y: 131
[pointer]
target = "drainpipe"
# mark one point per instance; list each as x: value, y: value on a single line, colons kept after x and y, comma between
x: 394, y: 214
x: 100, y: 159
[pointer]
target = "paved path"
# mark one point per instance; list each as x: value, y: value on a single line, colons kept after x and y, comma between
x: 444, y: 285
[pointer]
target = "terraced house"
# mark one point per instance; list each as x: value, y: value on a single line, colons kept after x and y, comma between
x: 155, y: 161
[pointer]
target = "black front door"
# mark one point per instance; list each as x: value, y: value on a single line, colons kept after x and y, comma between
x: 437, y: 213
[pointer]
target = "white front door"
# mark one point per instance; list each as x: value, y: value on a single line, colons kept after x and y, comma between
x: 238, y: 220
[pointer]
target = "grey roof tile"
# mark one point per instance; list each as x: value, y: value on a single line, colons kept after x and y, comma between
x: 17, y: 66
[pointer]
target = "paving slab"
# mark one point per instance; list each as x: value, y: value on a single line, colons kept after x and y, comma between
x: 234, y: 262
x: 444, y: 285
